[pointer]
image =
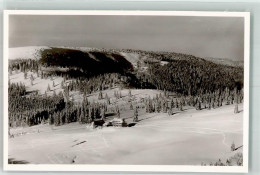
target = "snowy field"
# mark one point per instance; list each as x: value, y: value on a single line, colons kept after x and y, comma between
x: 186, y: 138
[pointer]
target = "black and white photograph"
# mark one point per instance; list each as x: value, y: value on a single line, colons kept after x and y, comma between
x: 126, y: 91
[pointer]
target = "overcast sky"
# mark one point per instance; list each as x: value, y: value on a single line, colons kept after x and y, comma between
x: 217, y: 37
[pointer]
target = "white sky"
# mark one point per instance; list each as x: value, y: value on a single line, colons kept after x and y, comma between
x: 217, y: 37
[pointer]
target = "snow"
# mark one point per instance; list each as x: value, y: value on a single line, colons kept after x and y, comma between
x: 164, y: 63
x: 137, y: 95
x: 131, y: 57
x: 186, y: 138
x: 189, y: 137
x: 30, y: 52
x: 39, y: 84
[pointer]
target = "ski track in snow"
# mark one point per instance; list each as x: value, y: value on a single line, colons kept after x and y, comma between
x: 97, y: 144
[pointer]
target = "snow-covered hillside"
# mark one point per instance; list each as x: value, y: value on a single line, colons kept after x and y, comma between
x: 30, y: 52
x: 131, y: 57
x: 187, y: 138
x: 33, y: 52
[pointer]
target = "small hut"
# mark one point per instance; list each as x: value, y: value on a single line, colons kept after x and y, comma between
x: 98, y: 122
x: 118, y: 122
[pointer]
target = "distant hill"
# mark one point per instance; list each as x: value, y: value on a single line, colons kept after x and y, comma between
x: 81, y: 62
x: 226, y: 61
x: 132, y: 56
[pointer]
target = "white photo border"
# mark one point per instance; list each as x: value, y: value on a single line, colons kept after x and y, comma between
x: 128, y: 168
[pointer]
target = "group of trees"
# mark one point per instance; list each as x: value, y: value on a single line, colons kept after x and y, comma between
x: 196, y: 82
x: 165, y: 103
x: 94, y: 84
x: 32, y: 109
x: 190, y: 77
x: 24, y: 65
x: 235, y: 160
x: 85, y: 113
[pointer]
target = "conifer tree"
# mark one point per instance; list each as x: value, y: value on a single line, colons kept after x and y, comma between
x: 160, y: 96
x: 41, y: 74
x: 25, y: 75
x: 233, y: 146
x: 169, y: 111
x: 118, y: 112
x: 138, y: 64
x: 31, y: 78
x: 209, y: 108
x: 228, y: 163
x: 116, y: 94
x: 129, y: 93
x: 180, y: 106
x: 135, y: 115
x: 205, y: 105
x: 164, y: 109
x: 60, y: 118
x: 172, y: 104
x: 147, y: 107
x: 103, y: 114
x: 164, y: 93
x: 90, y: 114
x: 157, y: 97
x: 213, y: 104
x: 48, y: 88
x: 236, y: 108
x: 158, y: 107
x: 131, y: 106
x: 100, y: 95
x: 66, y: 118
x: 236, y: 101
x: 110, y: 85
x: 198, y: 105
x: 50, y: 120
x: 62, y: 84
